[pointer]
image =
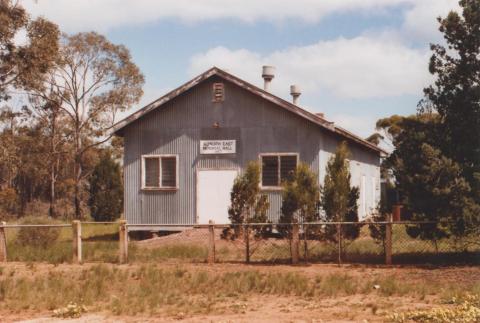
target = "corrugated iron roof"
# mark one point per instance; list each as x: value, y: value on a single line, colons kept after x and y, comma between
x: 117, y: 128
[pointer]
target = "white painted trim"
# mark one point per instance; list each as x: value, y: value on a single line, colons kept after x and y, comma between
x: 278, y: 187
x: 160, y: 187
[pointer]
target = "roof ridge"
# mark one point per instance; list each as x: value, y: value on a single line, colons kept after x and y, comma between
x: 214, y: 70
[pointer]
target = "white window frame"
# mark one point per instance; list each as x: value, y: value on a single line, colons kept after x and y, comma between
x: 278, y: 187
x: 159, y: 188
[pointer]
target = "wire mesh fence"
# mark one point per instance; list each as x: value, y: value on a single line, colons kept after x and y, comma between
x: 52, y: 243
x: 186, y: 243
x: 423, y: 248
x: 100, y: 241
x: 377, y: 243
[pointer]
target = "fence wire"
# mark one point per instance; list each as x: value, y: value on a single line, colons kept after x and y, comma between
x: 51, y: 244
x: 405, y: 242
x: 190, y: 244
x: 100, y: 241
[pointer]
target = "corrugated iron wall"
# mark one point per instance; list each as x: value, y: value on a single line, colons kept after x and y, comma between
x: 257, y: 125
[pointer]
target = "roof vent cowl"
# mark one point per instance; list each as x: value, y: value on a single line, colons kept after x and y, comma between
x: 295, y: 93
x: 268, y: 73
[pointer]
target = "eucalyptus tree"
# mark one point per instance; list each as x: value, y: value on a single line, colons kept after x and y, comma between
x: 92, y: 82
x: 23, y: 66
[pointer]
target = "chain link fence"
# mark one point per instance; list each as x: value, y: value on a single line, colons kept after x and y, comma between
x: 33, y: 243
x: 363, y: 243
x: 268, y: 243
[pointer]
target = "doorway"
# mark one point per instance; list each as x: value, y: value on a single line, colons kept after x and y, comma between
x: 213, y: 194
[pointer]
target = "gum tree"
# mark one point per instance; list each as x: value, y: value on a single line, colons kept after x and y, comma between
x: 23, y: 66
x: 93, y: 80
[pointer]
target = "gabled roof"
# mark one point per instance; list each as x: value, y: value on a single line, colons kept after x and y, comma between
x: 320, y: 121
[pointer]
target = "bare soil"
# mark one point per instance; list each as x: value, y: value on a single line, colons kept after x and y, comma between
x: 269, y: 308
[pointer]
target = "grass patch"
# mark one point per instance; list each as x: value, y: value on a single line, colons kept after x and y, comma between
x: 99, y: 243
x: 188, y: 252
x: 150, y: 289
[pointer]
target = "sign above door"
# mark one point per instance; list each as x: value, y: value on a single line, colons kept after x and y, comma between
x: 209, y: 147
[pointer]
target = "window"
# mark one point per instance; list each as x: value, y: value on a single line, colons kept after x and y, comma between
x: 277, y: 168
x: 159, y: 172
x: 218, y: 92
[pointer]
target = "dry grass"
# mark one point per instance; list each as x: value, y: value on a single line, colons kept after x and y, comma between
x: 169, y: 290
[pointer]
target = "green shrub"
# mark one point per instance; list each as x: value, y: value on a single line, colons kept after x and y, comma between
x: 106, y: 190
x: 37, y: 236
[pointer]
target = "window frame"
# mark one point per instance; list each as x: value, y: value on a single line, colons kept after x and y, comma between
x: 160, y: 187
x: 278, y: 155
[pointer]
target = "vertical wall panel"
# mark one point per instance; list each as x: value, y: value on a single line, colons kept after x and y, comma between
x: 177, y: 127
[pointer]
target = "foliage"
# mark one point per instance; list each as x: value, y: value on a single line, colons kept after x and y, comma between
x: 385, y: 207
x: 455, y: 94
x: 23, y: 66
x: 465, y: 310
x: 72, y: 310
x: 430, y: 185
x: 300, y: 197
x: 436, y: 162
x: 76, y: 85
x: 339, y: 199
x: 26, y: 158
x: 247, y: 204
x: 8, y: 201
x: 375, y: 138
x: 93, y: 80
x: 106, y: 190
x: 37, y: 236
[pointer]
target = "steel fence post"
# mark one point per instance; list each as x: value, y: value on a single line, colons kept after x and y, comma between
x: 388, y: 240
x: 295, y: 243
x: 77, y: 241
x: 123, y: 242
x: 211, y: 242
x: 3, y: 242
x: 247, y: 243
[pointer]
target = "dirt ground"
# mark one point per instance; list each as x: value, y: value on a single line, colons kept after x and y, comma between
x: 271, y: 308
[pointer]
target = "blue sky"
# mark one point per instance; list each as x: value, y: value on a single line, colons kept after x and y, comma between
x: 355, y: 60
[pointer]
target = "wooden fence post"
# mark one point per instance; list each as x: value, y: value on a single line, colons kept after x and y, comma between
x: 211, y: 242
x: 3, y: 243
x: 388, y: 240
x: 339, y: 238
x: 77, y: 241
x: 295, y: 243
x: 397, y: 212
x: 123, y: 242
x: 305, y: 245
x: 246, y: 233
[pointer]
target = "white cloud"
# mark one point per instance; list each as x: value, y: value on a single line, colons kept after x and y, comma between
x: 361, y: 125
x: 420, y: 21
x: 80, y: 15
x: 361, y: 67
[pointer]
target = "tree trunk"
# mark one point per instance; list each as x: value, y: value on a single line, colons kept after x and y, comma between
x: 52, y: 211
x: 77, y: 175
x: 53, y: 162
x: 77, y: 172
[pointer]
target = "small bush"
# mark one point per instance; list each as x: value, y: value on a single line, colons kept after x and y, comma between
x: 40, y: 236
x: 463, y: 310
x: 72, y: 310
